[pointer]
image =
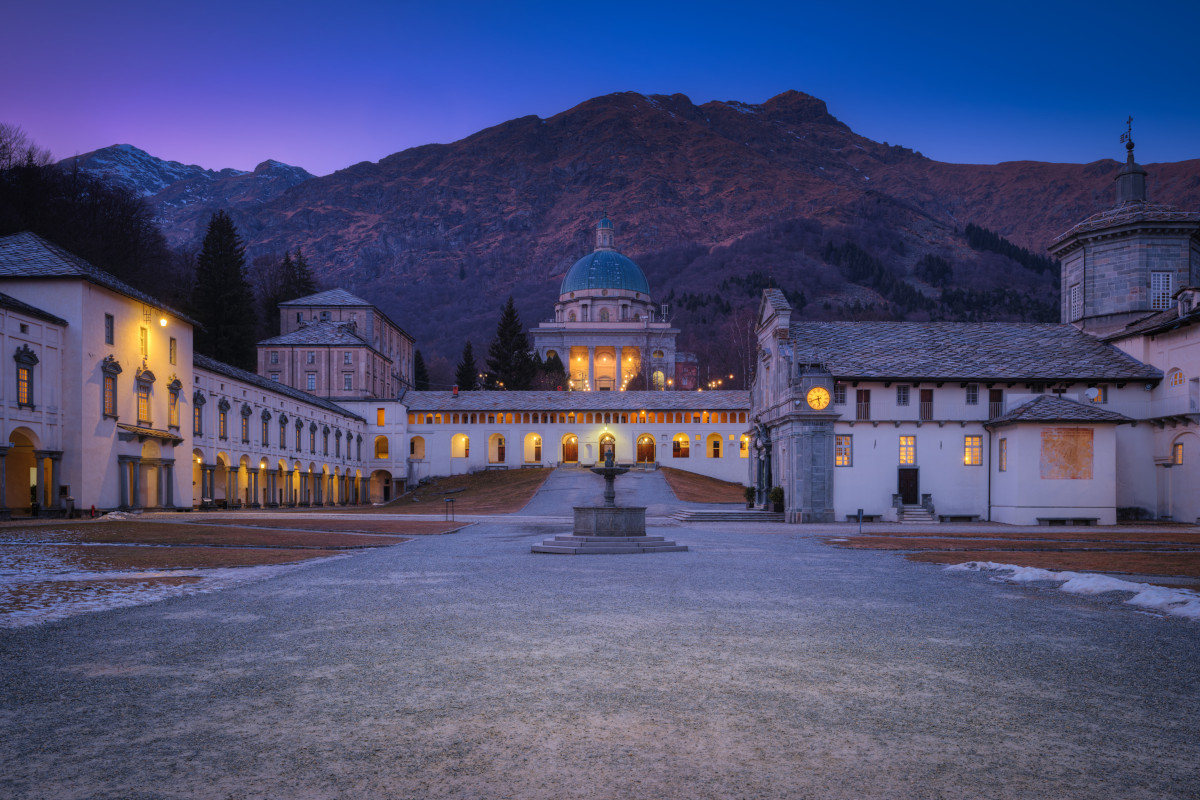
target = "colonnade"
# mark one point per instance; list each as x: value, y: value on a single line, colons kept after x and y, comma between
x: 283, y: 487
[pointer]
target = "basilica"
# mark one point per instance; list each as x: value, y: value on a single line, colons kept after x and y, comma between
x: 1087, y: 421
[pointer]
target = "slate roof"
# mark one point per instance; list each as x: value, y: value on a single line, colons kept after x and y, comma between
x: 211, y: 364
x: 151, y: 433
x: 1051, y: 408
x: 964, y: 351
x: 27, y: 255
x: 577, y: 401
x: 1158, y: 322
x: 13, y: 304
x: 330, y: 297
x: 1128, y: 214
x: 320, y: 333
x: 776, y: 299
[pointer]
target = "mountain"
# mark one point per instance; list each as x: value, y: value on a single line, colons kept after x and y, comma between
x: 714, y: 201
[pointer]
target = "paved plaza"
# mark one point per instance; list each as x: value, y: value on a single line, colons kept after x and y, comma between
x: 759, y: 664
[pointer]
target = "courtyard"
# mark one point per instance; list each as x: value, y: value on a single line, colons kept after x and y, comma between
x: 764, y: 662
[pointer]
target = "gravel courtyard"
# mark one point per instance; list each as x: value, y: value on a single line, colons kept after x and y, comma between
x: 760, y: 664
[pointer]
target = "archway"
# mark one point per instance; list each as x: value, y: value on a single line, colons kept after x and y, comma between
x: 21, y: 469
x: 150, y: 489
x: 608, y: 445
x: 570, y: 449
x: 681, y: 446
x: 533, y: 448
x: 416, y: 448
x: 221, y: 481
x: 645, y: 449
x: 744, y: 446
x: 198, y: 479
x: 381, y: 447
x: 460, y: 445
x: 712, y: 445
x: 381, y: 486
x: 245, y: 481
x: 496, y: 449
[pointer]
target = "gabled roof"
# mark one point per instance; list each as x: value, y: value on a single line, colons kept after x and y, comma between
x: 964, y: 351
x: 13, y: 304
x: 1052, y: 408
x: 27, y: 255
x: 577, y: 401
x: 1158, y: 322
x: 320, y: 333
x: 330, y: 297
x: 220, y: 367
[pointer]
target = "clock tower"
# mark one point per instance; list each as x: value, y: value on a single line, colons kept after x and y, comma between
x: 808, y: 436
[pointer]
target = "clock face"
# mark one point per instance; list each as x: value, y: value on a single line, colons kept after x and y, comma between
x: 818, y: 397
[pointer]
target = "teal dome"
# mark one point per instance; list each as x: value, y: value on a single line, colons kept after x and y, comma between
x: 605, y: 269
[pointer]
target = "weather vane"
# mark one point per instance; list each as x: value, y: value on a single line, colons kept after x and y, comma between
x: 1127, y: 136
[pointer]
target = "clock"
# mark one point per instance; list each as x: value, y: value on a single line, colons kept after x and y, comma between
x: 818, y: 397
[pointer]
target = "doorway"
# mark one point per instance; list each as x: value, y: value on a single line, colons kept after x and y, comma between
x: 908, y: 486
x: 645, y: 449
x: 608, y: 444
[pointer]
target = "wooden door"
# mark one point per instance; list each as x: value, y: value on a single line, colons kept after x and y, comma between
x: 909, y: 487
x: 645, y: 450
x: 570, y: 450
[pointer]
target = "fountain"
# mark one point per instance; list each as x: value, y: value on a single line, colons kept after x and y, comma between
x: 609, y: 528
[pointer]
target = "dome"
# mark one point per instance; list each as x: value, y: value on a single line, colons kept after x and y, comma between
x: 605, y: 269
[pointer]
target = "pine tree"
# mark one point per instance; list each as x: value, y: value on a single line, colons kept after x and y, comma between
x: 298, y: 278
x: 466, y: 374
x: 508, y: 361
x: 420, y: 373
x: 222, y: 300
x: 555, y: 373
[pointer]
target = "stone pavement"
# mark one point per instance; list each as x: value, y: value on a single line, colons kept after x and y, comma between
x: 761, y: 663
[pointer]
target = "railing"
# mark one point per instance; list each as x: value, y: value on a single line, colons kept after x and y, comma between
x: 995, y: 409
x: 926, y: 411
x: 862, y: 411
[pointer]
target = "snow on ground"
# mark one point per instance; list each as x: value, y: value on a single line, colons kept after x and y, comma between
x: 1177, y: 602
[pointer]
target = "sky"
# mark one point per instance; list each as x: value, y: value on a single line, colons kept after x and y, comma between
x: 324, y: 85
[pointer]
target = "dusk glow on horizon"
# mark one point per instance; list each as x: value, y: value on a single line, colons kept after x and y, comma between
x: 323, y: 87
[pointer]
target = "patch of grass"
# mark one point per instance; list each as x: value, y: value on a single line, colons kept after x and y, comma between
x: 1182, y: 565
x: 692, y: 488
x: 489, y: 492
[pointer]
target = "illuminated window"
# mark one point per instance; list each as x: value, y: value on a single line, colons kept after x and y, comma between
x: 173, y: 408
x: 26, y: 359
x: 110, y: 395
x: 908, y: 450
x: 197, y: 420
x: 1175, y: 378
x: 172, y: 351
x: 223, y: 424
x: 1161, y: 285
x: 973, y: 451
x: 843, y: 451
x: 1177, y: 453
x: 680, y: 446
x: 266, y: 432
x: 1002, y: 455
x: 144, y: 342
x: 380, y: 417
x: 245, y: 429
x: 1101, y: 395
x: 381, y: 447
x: 143, y: 403
x: 744, y: 447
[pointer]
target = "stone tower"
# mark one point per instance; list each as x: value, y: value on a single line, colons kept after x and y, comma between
x: 1126, y: 262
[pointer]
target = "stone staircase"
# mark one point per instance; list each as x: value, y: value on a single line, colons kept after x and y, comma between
x: 568, y: 544
x: 731, y: 515
x: 916, y: 515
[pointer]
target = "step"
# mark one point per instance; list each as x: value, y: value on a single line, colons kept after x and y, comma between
x: 590, y: 550
x: 727, y: 516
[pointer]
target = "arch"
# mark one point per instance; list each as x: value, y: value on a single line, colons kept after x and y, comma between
x: 712, y: 445
x: 608, y: 444
x: 416, y: 448
x: 496, y: 449
x: 551, y: 354
x: 570, y: 449
x: 381, y: 447
x: 657, y: 354
x: 604, y: 315
x: 533, y: 448
x: 21, y: 476
x: 681, y: 446
x: 744, y: 446
x: 460, y: 445
x: 380, y: 486
x: 571, y: 317
x: 645, y: 449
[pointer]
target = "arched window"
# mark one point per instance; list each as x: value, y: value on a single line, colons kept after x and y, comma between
x: 1174, y: 379
x: 416, y: 448
x: 381, y: 447
x: 460, y: 446
x: 681, y: 446
x: 744, y: 447
x: 713, y: 450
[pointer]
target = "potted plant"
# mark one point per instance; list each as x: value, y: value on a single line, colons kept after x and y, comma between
x: 776, y: 498
x: 749, y: 493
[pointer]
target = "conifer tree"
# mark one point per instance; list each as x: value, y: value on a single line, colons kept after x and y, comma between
x: 466, y: 374
x: 509, y: 364
x: 554, y: 372
x: 221, y: 297
x: 298, y: 277
x: 420, y: 373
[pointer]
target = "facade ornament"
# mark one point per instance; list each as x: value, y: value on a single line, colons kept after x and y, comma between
x: 25, y: 355
x: 110, y: 365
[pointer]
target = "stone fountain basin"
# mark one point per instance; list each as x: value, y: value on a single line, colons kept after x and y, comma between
x: 606, y: 521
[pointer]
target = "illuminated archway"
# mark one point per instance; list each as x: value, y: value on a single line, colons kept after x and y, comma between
x: 645, y: 449
x: 570, y: 449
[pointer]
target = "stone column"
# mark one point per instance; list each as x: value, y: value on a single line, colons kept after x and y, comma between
x: 254, y: 501
x: 136, y: 474
x: 619, y: 378
x: 287, y: 487
x: 55, y: 477
x: 591, y: 378
x: 3, y: 484
x: 168, y: 471
x: 123, y: 480
x: 158, y: 484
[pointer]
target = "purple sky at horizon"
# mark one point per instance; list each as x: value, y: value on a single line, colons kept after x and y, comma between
x: 233, y: 84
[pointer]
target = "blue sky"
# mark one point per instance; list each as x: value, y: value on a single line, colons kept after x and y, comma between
x: 326, y: 85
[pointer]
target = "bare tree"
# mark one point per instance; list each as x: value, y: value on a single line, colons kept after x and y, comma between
x: 17, y: 149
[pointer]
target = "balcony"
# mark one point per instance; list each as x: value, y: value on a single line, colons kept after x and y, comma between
x: 862, y: 411
x: 926, y: 411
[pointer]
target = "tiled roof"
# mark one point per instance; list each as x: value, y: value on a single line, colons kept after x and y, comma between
x: 13, y: 304
x: 211, y: 364
x: 776, y: 299
x: 577, y: 401
x: 330, y: 297
x: 27, y: 255
x: 319, y: 333
x: 1128, y: 214
x: 1051, y: 408
x: 1165, y: 320
x: 964, y: 351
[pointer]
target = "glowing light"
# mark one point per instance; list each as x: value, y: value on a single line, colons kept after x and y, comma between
x: 162, y: 321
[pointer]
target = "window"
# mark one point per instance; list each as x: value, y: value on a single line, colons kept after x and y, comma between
x: 1177, y: 453
x: 324, y: 316
x: 110, y: 395
x: 223, y: 423
x: 908, y: 450
x: 863, y: 405
x: 109, y: 325
x: 380, y: 417
x: 173, y: 408
x: 274, y: 356
x: 197, y: 420
x: 282, y: 433
x: 1101, y: 395
x: 1076, y: 302
x: 143, y: 403
x: 925, y: 411
x: 680, y: 446
x: 24, y: 328
x: 347, y: 381
x: 972, y: 394
x: 144, y: 342
x: 1161, y: 284
x: 381, y: 447
x: 274, y: 376
x: 995, y: 403
x: 325, y: 442
x: 1002, y: 455
x: 171, y: 351
x: 1175, y: 378
x: 266, y: 433
x: 902, y: 395
x: 310, y: 381
x: 245, y: 430
x: 310, y: 357
x: 839, y: 394
x: 347, y: 357
x: 843, y: 451
x: 299, y: 317
x: 973, y: 451
x: 312, y: 439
